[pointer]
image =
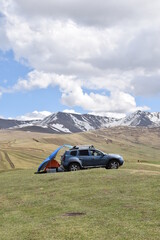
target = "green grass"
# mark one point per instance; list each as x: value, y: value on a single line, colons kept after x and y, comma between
x: 116, y: 204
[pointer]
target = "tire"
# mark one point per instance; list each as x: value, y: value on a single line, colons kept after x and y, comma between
x: 74, y: 167
x: 113, y: 164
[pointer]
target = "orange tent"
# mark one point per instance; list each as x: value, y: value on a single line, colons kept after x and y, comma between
x: 52, y: 164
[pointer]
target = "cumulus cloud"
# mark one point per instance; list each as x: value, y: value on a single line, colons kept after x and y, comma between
x: 119, y: 102
x: 4, y: 43
x: 34, y: 115
x: 74, y: 95
x: 147, y: 85
x: 102, y: 12
x: 84, y: 47
x: 36, y: 79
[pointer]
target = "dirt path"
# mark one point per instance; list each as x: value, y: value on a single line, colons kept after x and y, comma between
x: 151, y: 164
x: 8, y: 160
x: 140, y: 171
x: 0, y: 156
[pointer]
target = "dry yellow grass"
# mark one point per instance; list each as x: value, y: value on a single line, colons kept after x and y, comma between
x: 27, y: 150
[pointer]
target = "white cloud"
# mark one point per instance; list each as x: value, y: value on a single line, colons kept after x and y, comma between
x: 147, y: 85
x: 117, y: 102
x: 39, y: 79
x: 82, y: 47
x: 102, y: 12
x: 34, y: 115
x: 73, y: 94
x: 35, y: 80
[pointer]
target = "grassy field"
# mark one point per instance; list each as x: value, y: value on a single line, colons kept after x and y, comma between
x: 92, y: 204
x: 24, y: 150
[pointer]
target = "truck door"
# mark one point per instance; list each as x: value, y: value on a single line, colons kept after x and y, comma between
x: 84, y: 157
x: 97, y: 158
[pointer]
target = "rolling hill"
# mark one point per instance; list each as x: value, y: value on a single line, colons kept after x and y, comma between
x: 19, y: 149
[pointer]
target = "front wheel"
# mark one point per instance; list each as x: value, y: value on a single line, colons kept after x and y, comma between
x: 74, y: 167
x: 113, y: 164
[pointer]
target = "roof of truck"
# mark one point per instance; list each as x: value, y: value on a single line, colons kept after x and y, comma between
x: 83, y: 147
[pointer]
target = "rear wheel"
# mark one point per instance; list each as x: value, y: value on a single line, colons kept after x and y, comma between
x: 113, y: 164
x: 74, y: 167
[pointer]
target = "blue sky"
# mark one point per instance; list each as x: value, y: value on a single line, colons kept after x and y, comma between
x: 101, y: 59
x: 18, y: 103
x: 14, y: 104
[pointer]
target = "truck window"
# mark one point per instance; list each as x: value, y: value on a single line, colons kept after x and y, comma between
x: 73, y: 153
x: 96, y: 153
x: 83, y: 153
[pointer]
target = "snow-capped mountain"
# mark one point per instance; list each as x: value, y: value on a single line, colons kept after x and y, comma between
x: 70, y: 123
x: 140, y: 118
x: 67, y: 123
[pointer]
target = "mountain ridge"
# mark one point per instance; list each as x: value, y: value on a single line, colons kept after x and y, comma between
x: 61, y: 122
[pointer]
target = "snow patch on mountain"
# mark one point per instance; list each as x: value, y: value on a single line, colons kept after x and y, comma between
x: 155, y: 117
x: 61, y: 128
x: 49, y: 119
x: 82, y: 124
